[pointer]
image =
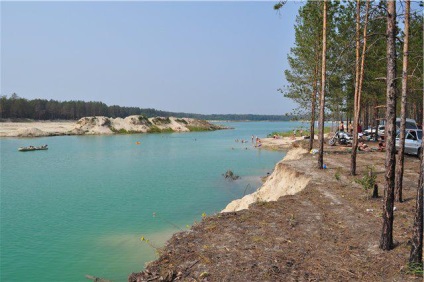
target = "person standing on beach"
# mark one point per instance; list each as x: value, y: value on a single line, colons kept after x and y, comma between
x: 341, y: 126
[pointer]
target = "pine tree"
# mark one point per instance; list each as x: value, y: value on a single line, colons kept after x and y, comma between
x: 304, y: 61
x: 322, y: 94
x: 416, y: 255
x: 359, y: 76
x: 386, y: 240
x: 399, y: 165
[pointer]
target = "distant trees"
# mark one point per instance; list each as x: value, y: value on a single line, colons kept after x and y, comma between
x: 16, y: 107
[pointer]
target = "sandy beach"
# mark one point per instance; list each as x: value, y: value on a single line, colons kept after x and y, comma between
x: 103, y: 125
x: 41, y: 128
x: 280, y: 143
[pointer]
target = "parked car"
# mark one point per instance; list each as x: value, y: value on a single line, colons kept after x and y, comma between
x: 381, y: 130
x: 413, y: 142
x: 409, y: 124
x: 370, y: 130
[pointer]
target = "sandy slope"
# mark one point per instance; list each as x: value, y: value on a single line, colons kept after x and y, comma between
x: 103, y: 125
x: 279, y: 183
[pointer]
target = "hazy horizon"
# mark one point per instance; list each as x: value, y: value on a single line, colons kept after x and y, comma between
x: 192, y: 57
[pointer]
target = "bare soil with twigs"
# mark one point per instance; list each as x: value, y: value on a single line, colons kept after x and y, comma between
x: 330, y: 231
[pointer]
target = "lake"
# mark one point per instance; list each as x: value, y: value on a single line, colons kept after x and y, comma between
x: 81, y: 207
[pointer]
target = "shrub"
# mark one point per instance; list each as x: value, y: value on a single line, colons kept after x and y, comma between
x: 106, y: 122
x: 155, y: 129
x: 197, y: 128
x: 338, y: 174
x: 415, y: 269
x: 122, y: 130
x: 144, y: 120
x: 161, y: 120
x: 180, y: 120
x: 368, y: 181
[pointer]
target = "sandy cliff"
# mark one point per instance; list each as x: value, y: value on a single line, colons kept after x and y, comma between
x: 283, y: 181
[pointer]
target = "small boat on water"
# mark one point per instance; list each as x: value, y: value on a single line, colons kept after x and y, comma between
x: 32, y: 148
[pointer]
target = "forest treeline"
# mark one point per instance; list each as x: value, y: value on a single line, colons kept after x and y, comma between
x: 304, y: 60
x: 15, y: 107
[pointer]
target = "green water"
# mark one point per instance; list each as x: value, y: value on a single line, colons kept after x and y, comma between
x: 80, y: 207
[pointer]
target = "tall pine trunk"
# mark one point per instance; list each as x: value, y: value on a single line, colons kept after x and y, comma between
x: 386, y: 240
x: 416, y: 255
x: 359, y: 81
x: 400, y: 160
x: 356, y: 94
x: 322, y: 94
x: 314, y: 97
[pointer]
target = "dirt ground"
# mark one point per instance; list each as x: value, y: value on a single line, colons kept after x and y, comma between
x: 328, y: 232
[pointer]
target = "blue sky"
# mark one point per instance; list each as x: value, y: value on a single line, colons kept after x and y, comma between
x: 200, y: 57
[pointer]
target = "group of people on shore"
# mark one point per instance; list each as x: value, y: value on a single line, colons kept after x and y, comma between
x: 256, y: 141
x: 241, y: 141
x: 349, y: 128
x: 362, y: 146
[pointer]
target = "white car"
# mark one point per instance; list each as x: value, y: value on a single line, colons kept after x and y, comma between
x: 413, y: 141
x: 370, y: 130
x: 409, y: 124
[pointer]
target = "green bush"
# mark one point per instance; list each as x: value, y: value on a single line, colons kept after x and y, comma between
x: 180, y: 120
x: 122, y: 130
x: 144, y: 120
x: 155, y: 129
x: 338, y: 174
x: 369, y: 179
x: 161, y: 120
x: 197, y: 128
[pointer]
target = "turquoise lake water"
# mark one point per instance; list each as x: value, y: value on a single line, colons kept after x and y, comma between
x: 81, y: 207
